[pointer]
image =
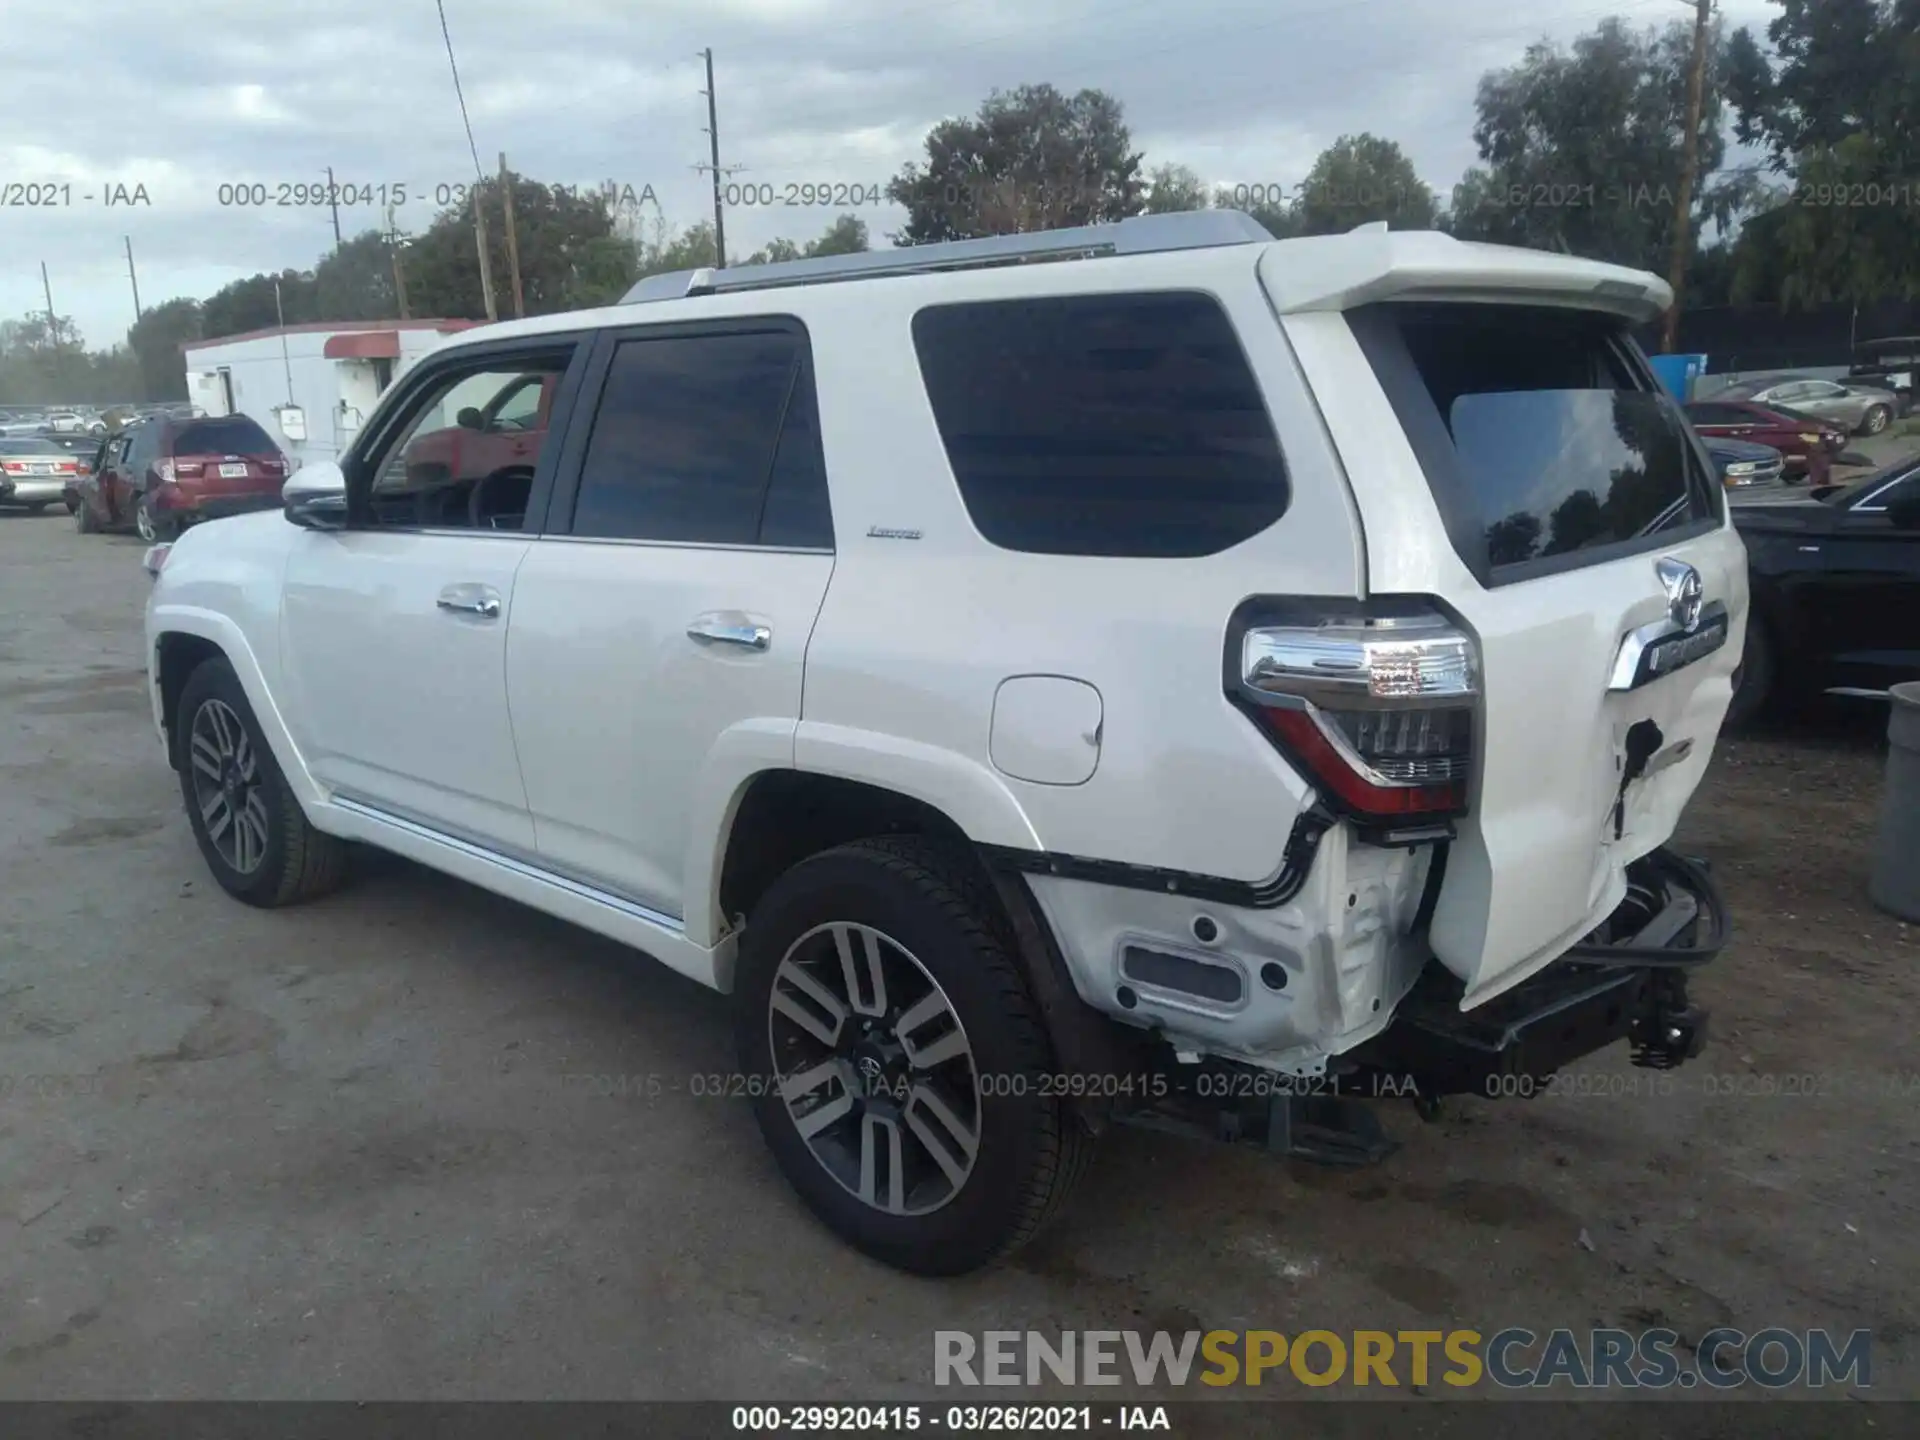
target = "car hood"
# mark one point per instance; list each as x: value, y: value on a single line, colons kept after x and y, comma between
x: 1733, y: 451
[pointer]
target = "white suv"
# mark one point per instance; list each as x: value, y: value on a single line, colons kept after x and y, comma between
x: 1202, y: 682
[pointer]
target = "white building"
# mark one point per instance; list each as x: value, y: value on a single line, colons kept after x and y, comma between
x: 311, y: 387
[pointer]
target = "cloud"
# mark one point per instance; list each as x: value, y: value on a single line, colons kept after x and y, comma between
x: 232, y: 94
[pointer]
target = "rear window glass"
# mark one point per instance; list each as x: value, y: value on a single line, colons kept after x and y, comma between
x: 1102, y: 424
x: 1543, y: 444
x: 31, y: 447
x: 228, y: 435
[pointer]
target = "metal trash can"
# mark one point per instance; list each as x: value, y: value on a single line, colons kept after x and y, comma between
x: 1895, y: 886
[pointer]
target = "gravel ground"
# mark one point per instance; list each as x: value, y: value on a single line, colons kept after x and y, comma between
x: 345, y: 1151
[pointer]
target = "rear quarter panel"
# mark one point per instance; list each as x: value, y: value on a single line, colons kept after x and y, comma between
x: 917, y: 635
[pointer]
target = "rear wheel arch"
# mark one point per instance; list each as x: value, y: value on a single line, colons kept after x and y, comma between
x: 785, y: 816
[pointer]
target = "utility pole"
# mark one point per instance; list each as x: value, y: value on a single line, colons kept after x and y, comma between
x: 1689, y: 164
x: 713, y: 152
x: 333, y: 199
x: 138, y: 314
x: 513, y: 238
x: 53, y: 325
x: 399, y: 271
x: 480, y: 238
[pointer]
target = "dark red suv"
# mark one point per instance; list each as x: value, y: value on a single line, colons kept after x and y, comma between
x: 1807, y: 443
x: 163, y: 474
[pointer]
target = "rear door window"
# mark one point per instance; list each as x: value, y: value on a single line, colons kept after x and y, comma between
x: 1102, y: 424
x: 1545, y: 440
x: 227, y: 435
x: 707, y: 439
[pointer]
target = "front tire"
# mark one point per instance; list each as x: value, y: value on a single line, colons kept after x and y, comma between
x: 896, y: 1060
x: 245, y: 817
x: 83, y: 520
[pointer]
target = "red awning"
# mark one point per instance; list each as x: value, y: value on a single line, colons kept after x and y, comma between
x: 363, y: 345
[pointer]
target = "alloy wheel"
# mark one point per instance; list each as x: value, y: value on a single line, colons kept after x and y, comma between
x: 227, y: 786
x: 875, y: 1068
x: 143, y: 522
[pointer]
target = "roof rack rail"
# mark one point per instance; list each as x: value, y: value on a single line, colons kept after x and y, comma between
x: 1136, y: 235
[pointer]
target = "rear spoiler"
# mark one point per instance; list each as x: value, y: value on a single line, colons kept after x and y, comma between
x: 1339, y: 272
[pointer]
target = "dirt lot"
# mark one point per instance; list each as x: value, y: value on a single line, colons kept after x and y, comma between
x: 344, y: 1151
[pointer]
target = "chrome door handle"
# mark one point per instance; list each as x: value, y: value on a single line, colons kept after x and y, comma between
x: 478, y: 600
x: 714, y: 629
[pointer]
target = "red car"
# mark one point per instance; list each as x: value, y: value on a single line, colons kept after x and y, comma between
x: 506, y: 434
x: 1807, y: 444
x: 164, y: 474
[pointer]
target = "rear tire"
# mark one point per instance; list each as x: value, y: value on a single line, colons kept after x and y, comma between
x: 1753, y: 681
x: 941, y: 950
x: 83, y: 520
x: 1875, y: 420
x: 153, y: 528
x: 245, y: 817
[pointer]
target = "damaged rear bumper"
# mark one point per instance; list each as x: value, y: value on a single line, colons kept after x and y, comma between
x: 1627, y: 980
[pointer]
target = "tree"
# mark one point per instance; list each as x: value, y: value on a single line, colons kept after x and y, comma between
x: 1837, y: 107
x: 1581, y: 149
x: 1032, y: 159
x: 565, y: 257
x: 846, y: 236
x: 355, y: 281
x: 774, y: 252
x: 1362, y: 178
x: 155, y: 340
x: 1173, y: 188
x: 249, y: 304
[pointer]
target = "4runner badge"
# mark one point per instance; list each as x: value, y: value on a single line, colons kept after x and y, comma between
x: 1685, y: 594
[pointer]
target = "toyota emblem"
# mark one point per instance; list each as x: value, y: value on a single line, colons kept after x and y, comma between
x: 1685, y: 592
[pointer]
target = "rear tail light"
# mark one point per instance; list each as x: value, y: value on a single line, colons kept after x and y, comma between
x: 1376, y: 709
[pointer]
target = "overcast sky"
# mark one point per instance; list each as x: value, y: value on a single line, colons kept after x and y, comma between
x: 182, y: 99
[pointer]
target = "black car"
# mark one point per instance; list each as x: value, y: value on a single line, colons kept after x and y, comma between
x: 1835, y: 579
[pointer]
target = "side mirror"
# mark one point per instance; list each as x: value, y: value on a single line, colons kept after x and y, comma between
x: 1904, y: 512
x: 469, y: 419
x: 315, y: 496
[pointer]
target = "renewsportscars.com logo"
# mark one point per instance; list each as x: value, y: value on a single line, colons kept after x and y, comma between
x: 1513, y: 1358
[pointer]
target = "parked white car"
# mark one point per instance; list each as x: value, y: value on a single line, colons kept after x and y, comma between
x: 1206, y: 683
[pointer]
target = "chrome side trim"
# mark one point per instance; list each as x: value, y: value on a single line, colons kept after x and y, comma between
x: 633, y: 909
x: 1643, y: 656
x: 1857, y: 692
x: 555, y: 538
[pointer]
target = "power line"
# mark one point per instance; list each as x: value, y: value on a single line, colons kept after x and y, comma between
x: 479, y: 175
x: 458, y: 94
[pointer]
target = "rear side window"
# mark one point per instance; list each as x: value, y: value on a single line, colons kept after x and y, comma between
x: 1545, y: 444
x: 1102, y: 424
x: 227, y: 435
x: 706, y: 439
